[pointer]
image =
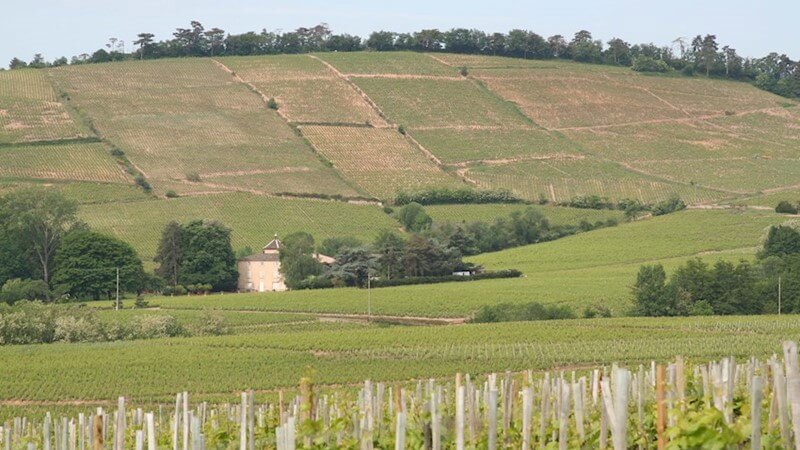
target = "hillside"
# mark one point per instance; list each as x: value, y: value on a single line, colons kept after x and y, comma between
x: 539, y: 128
x: 367, y: 125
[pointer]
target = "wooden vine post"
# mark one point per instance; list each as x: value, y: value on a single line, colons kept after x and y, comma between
x: 661, y: 408
x: 97, y: 425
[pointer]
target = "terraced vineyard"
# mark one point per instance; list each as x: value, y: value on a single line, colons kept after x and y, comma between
x: 179, y: 117
x: 31, y: 111
x: 305, y: 89
x: 380, y: 160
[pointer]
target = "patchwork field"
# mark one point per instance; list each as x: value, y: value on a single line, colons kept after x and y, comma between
x: 70, y: 161
x: 254, y: 219
x: 30, y: 109
x: 461, y: 146
x: 440, y: 103
x: 306, y: 90
x: 562, y: 179
x: 381, y: 160
x: 177, y: 117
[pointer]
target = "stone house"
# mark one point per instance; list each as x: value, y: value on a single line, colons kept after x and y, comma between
x: 261, y: 272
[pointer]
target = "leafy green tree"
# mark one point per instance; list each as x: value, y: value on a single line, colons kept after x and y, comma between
x: 426, y: 257
x: 145, y: 43
x: 389, y: 248
x: 87, y: 261
x: 297, y: 259
x: 582, y: 48
x: 207, y: 256
x: 648, y: 64
x: 650, y: 292
x: 37, y: 219
x: 17, y: 289
x: 781, y: 241
x: 354, y: 266
x: 17, y: 63
x: 785, y: 207
x: 414, y: 218
x: 169, y: 254
x: 333, y: 245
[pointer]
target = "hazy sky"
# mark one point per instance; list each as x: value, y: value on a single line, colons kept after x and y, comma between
x: 70, y: 27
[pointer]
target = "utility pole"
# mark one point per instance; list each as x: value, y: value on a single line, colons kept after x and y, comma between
x: 369, y: 297
x: 779, y: 296
x: 117, y: 307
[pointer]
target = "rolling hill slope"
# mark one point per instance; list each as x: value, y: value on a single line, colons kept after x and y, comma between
x: 367, y: 125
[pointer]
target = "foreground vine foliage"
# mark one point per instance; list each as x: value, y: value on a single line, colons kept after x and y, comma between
x: 716, y: 405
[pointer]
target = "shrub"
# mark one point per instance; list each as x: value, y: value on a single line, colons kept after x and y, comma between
x: 508, y: 273
x: 140, y: 302
x: 174, y: 290
x: 463, y: 71
x: 508, y: 312
x: 590, y: 202
x: 456, y: 196
x: 142, y: 182
x: 402, y: 130
x: 117, y: 152
x: 17, y: 289
x: 154, y: 326
x: 785, y: 207
x: 597, y: 310
x: 672, y: 204
x: 78, y: 329
x: 315, y: 282
x: 543, y: 200
x: 388, y: 210
x: 648, y: 64
x: 414, y: 218
x: 272, y: 104
x: 212, y: 323
x: 194, y: 177
x: 171, y: 194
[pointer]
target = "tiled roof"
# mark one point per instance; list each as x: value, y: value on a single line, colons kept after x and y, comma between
x: 261, y: 257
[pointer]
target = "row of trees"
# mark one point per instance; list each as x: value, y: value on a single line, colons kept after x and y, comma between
x: 726, y: 288
x: 701, y: 54
x: 47, y: 253
x: 430, y: 249
x: 197, y: 253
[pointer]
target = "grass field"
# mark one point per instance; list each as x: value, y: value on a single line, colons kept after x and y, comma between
x: 31, y: 111
x: 305, y: 89
x: 216, y: 367
x: 186, y: 116
x: 71, y: 161
x: 254, y: 219
x: 380, y: 160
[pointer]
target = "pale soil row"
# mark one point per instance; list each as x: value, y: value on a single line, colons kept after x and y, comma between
x: 436, y: 58
x: 474, y: 128
x: 401, y: 76
x: 702, y: 118
x: 255, y: 172
x: 503, y: 161
x: 359, y: 91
